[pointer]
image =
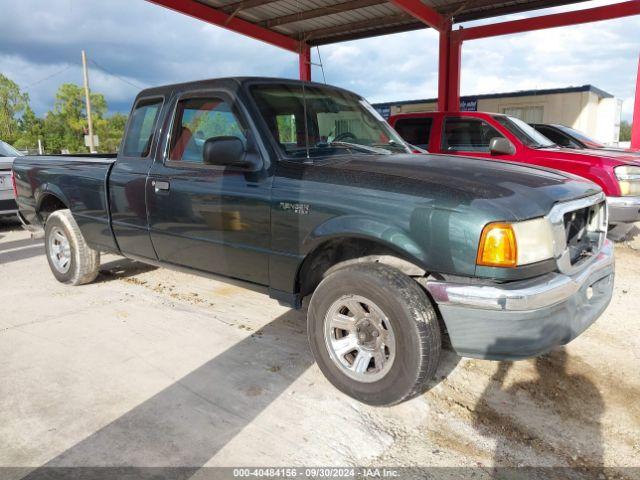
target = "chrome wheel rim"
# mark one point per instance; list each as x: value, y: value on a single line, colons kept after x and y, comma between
x: 59, y: 250
x: 359, y: 338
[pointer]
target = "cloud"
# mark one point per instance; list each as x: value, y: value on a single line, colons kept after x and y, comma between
x: 140, y: 44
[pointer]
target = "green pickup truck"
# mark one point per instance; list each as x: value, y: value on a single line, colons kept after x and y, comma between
x: 303, y: 190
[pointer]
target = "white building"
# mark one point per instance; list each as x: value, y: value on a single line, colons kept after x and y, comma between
x: 586, y: 108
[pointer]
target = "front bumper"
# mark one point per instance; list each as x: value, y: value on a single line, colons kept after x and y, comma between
x: 524, y: 318
x: 623, y: 209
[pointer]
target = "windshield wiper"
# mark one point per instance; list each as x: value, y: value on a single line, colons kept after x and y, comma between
x: 365, y: 148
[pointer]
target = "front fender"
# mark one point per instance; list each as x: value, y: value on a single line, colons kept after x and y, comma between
x: 356, y: 226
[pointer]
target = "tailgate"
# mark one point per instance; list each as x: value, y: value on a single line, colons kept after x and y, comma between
x: 7, y: 203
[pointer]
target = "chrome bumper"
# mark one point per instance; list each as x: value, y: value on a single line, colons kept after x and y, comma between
x: 524, y: 295
x: 623, y: 209
x: 524, y: 318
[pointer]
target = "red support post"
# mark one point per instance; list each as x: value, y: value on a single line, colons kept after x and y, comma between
x: 635, y: 126
x: 304, y: 58
x: 443, y: 67
x: 455, y: 63
x: 449, y: 63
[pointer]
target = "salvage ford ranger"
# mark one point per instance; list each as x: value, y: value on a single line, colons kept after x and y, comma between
x: 303, y: 190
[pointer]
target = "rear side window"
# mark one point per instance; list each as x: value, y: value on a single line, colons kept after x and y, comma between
x: 415, y: 131
x: 198, y: 120
x: 139, y: 136
x: 467, y: 135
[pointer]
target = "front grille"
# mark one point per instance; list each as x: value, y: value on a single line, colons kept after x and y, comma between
x: 579, y: 231
x: 583, y: 232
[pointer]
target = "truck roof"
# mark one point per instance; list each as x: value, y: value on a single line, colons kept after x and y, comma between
x: 230, y: 82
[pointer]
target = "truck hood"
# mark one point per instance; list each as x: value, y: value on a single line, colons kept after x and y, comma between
x: 517, y: 191
x: 622, y: 157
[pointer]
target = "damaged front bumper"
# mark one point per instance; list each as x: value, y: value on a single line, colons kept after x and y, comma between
x: 525, y: 318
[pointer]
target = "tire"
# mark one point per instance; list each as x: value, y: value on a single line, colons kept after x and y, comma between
x: 405, y: 350
x: 73, y: 262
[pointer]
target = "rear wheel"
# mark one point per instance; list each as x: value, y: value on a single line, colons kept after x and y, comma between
x: 374, y: 333
x: 71, y: 260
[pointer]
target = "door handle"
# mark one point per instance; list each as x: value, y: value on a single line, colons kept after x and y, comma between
x: 160, y: 185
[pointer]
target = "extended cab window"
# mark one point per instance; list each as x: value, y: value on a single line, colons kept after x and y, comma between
x: 467, y: 135
x: 415, y: 131
x: 139, y: 136
x: 198, y: 120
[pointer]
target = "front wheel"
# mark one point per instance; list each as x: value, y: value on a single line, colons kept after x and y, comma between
x: 374, y: 333
x: 71, y: 260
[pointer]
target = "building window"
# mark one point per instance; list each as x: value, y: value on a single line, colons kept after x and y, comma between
x: 526, y: 114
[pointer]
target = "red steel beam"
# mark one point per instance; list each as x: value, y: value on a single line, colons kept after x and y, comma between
x: 576, y: 17
x: 216, y: 17
x: 419, y: 10
x: 455, y: 64
x: 443, y: 68
x: 304, y: 58
x: 635, y: 126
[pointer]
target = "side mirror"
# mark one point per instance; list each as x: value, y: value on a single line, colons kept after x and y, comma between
x: 501, y: 146
x: 228, y: 151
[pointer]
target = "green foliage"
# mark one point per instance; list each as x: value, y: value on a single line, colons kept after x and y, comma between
x: 286, y: 128
x: 12, y: 103
x: 625, y: 131
x: 62, y: 128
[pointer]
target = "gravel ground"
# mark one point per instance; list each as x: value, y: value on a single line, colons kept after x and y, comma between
x: 150, y: 367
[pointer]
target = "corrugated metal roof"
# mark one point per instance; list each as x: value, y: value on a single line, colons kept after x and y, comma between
x: 327, y: 21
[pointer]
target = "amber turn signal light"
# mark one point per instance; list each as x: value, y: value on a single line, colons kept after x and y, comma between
x: 498, y: 247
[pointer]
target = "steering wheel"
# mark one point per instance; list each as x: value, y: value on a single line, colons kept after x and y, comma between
x: 344, y: 136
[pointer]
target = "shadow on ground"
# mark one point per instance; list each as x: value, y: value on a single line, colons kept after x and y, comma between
x: 16, y: 250
x: 190, y: 421
x: 556, y: 415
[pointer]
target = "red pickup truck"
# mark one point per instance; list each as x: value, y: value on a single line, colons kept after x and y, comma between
x: 501, y: 137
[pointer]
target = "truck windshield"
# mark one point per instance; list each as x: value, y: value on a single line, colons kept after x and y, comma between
x: 589, y: 142
x: 524, y: 132
x: 318, y: 121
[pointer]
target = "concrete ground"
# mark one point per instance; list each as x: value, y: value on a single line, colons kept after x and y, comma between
x: 148, y: 367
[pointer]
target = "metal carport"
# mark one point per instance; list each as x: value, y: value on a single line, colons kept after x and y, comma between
x: 298, y: 25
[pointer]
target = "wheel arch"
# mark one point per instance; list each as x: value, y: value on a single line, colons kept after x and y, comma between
x: 50, y: 199
x: 365, y: 240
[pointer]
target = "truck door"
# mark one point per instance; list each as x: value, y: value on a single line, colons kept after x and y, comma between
x: 209, y: 217
x: 127, y: 181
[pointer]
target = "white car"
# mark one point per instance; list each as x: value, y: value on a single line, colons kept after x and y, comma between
x: 7, y: 200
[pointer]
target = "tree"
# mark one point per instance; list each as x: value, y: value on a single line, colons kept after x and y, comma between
x: 31, y: 128
x: 110, y: 131
x: 12, y: 103
x: 66, y: 126
x: 625, y: 131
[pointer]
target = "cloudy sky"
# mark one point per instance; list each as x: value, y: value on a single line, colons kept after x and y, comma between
x: 133, y: 44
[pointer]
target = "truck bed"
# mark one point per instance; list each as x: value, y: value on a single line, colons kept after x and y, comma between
x: 78, y: 181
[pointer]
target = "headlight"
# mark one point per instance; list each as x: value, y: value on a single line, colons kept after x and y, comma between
x: 628, y: 179
x: 515, y: 244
